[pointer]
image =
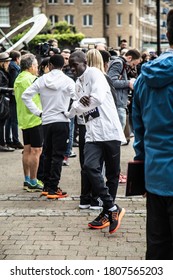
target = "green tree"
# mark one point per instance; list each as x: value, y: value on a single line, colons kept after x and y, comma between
x: 62, y: 27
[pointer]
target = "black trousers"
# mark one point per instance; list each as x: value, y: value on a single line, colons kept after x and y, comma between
x: 2, y: 132
x: 55, y: 144
x: 94, y: 155
x: 159, y: 227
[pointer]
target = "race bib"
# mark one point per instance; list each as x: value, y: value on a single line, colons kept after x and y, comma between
x: 92, y: 114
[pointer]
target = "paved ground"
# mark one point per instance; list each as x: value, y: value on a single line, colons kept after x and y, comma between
x: 34, y: 228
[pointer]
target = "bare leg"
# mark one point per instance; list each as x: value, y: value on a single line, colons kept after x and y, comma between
x: 26, y: 160
x: 34, y: 161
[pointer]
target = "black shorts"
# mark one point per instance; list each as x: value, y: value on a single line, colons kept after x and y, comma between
x: 33, y: 136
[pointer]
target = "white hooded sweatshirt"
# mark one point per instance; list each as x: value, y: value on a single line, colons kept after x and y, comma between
x: 55, y: 89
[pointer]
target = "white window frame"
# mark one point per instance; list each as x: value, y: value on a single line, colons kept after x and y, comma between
x: 119, y: 19
x: 88, y: 18
x: 119, y: 1
x: 130, y: 19
x: 86, y: 2
x: 53, y: 19
x: 69, y: 2
x: 4, y: 17
x: 52, y: 2
x: 119, y: 38
x: 107, y: 20
x: 69, y: 19
x: 130, y: 41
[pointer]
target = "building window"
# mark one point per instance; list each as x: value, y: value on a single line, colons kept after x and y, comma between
x: 52, y: 1
x: 53, y: 19
x: 130, y: 1
x: 165, y: 11
x: 118, y: 41
x: 87, y: 20
x: 119, y: 19
x: 4, y: 17
x: 107, y: 2
x: 69, y: 19
x: 68, y: 1
x: 130, y: 19
x: 119, y: 1
x: 87, y: 1
x: 163, y: 23
x: 107, y: 21
x: 130, y: 41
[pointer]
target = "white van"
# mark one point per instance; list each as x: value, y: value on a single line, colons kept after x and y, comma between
x: 91, y: 42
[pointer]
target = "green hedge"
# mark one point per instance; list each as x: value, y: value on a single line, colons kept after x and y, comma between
x: 64, y: 40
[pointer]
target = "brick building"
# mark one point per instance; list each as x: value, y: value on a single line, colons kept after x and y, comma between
x: 133, y: 20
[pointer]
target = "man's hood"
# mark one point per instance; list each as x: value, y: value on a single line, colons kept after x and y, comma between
x: 52, y: 79
x: 159, y: 72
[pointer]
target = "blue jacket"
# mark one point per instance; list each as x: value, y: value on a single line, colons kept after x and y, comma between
x: 153, y: 123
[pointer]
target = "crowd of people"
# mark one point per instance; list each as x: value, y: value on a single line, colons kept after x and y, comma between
x: 108, y: 96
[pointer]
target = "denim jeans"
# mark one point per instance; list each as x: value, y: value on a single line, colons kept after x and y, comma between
x: 70, y: 143
x: 11, y: 126
x: 2, y: 127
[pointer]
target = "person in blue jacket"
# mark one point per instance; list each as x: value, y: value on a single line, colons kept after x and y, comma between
x: 153, y: 129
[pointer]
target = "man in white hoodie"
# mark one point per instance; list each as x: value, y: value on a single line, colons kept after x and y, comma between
x: 103, y: 138
x: 55, y: 90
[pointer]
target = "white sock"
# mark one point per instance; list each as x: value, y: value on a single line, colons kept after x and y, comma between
x: 113, y: 208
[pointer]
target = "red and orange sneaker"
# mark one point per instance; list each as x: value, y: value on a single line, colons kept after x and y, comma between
x: 101, y: 221
x: 61, y: 193
x: 44, y: 192
x: 58, y: 194
x: 115, y: 218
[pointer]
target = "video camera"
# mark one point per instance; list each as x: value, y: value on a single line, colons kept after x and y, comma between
x: 43, y: 49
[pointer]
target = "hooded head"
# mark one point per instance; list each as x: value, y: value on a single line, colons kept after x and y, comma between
x: 170, y: 27
x: 158, y: 73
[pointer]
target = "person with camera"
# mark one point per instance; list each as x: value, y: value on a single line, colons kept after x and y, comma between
x: 5, y: 93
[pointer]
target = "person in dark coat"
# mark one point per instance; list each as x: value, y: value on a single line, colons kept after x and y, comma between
x: 6, y: 91
x: 11, y: 126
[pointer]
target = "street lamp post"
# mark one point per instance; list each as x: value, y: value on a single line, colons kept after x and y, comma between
x: 158, y: 27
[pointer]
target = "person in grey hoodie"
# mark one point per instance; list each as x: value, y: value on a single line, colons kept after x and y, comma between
x: 55, y: 90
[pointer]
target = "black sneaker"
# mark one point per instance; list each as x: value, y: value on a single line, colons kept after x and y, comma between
x: 101, y: 221
x: 115, y: 218
x: 17, y: 146
x: 34, y: 188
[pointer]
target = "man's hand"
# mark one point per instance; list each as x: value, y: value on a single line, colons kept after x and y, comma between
x: 131, y: 82
x: 85, y: 100
x: 66, y: 114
